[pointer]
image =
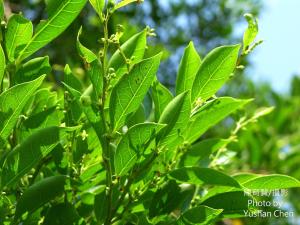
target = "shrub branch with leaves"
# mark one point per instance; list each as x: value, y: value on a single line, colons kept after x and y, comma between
x: 117, y: 147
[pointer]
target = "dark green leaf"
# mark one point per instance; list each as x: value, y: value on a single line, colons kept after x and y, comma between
x: 39, y: 194
x: 203, y: 176
x: 61, y: 15
x: 63, y: 213
x: 200, y: 215
x: 132, y: 145
x: 131, y: 89
x: 29, y: 153
x: 12, y: 102
x: 18, y: 34
x: 33, y: 69
x: 188, y: 69
x: 210, y: 114
x: 214, y: 71
x: 2, y: 65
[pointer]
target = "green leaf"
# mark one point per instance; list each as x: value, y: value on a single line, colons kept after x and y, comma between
x: 96, y: 77
x: 200, y: 152
x: 210, y: 114
x: 1, y: 10
x: 98, y: 5
x: 12, y: 102
x: 84, y: 52
x: 131, y: 89
x: 33, y: 69
x: 214, y: 71
x: 71, y: 80
x: 233, y: 203
x: 134, y: 48
x: 188, y: 68
x: 175, y: 115
x: 2, y: 64
x: 63, y: 213
x: 161, y: 97
x: 203, y: 176
x: 269, y: 182
x: 132, y: 145
x: 29, y: 153
x: 123, y: 3
x: 250, y: 33
x: 61, y: 15
x: 39, y: 194
x: 18, y: 34
x: 200, y: 215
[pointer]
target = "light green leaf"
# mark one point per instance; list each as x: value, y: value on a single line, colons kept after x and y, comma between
x: 12, y: 102
x: 84, y: 52
x: 250, y: 33
x: 96, y: 77
x: 29, y: 153
x: 200, y: 215
x: 214, y: 71
x: 161, y: 97
x: 18, y: 34
x: 39, y: 194
x: 175, y: 115
x: 203, y: 176
x: 132, y: 145
x: 269, y: 182
x: 61, y: 15
x: 134, y: 48
x: 131, y: 89
x: 33, y: 69
x: 98, y: 5
x: 123, y: 3
x: 188, y: 68
x: 210, y: 114
x: 2, y: 64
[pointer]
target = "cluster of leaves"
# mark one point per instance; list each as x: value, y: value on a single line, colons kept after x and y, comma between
x: 116, y: 146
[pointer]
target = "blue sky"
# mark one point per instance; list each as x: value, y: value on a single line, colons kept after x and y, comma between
x: 278, y: 58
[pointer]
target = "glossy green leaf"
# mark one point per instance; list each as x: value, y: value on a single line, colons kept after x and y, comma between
x: 200, y: 215
x: 71, y: 80
x: 134, y: 48
x: 61, y: 15
x: 39, y: 194
x: 96, y: 77
x: 2, y: 64
x: 203, y: 176
x: 214, y: 71
x: 175, y: 115
x: 269, y: 182
x: 29, y: 153
x: 131, y: 89
x: 161, y: 97
x: 210, y: 114
x: 98, y: 5
x: 84, y: 52
x: 188, y: 68
x: 250, y: 33
x: 12, y: 102
x: 63, y: 213
x: 18, y: 34
x: 132, y: 145
x: 123, y: 3
x: 33, y: 69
